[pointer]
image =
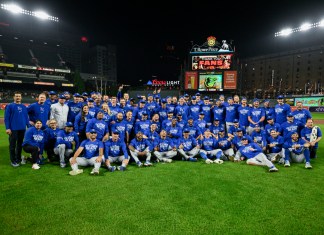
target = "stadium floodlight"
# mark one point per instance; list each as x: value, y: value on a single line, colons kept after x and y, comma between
x: 42, y: 15
x: 39, y: 14
x: 305, y: 26
x: 12, y: 8
x: 321, y: 23
x: 284, y: 32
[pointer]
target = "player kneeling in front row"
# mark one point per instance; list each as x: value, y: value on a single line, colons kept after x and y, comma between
x: 208, y: 151
x: 224, y: 143
x: 274, y: 147
x: 92, y: 155
x: 254, y: 155
x: 115, y: 151
x: 164, y: 148
x: 188, y: 146
x: 140, y: 147
x: 296, y: 150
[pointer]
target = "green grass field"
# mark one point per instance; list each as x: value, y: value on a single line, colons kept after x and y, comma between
x: 176, y: 198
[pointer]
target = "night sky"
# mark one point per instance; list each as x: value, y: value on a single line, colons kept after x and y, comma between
x: 143, y: 32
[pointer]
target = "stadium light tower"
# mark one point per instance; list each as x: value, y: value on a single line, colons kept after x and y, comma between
x: 303, y: 27
x: 15, y: 9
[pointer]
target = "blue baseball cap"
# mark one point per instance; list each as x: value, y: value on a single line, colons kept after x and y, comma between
x: 216, y: 119
x: 93, y: 131
x: 186, y: 95
x: 62, y: 96
x: 256, y: 100
x: 266, y: 101
x: 143, y: 101
x: 85, y: 94
x: 244, y: 137
x: 163, y: 101
x: 186, y: 130
x: 235, y: 121
x: 221, y: 129
x: 190, y: 118
x: 69, y: 124
x: 280, y: 97
x: 206, y: 98
x: 202, y: 113
x: 76, y: 95
x: 90, y: 100
x: 269, y: 117
x: 239, y: 129
x: 290, y: 115
x: 193, y: 98
x: 197, y: 94
x: 52, y: 93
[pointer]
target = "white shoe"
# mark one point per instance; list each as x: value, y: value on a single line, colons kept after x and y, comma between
x: 62, y: 164
x: 23, y: 160
x: 78, y: 171
x: 94, y: 171
x: 208, y: 161
x: 167, y: 160
x: 308, y: 165
x: 35, y: 166
x: 219, y: 161
x: 287, y: 163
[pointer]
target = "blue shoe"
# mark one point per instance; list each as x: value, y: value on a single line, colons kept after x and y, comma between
x: 121, y: 168
x: 111, y: 168
x: 15, y: 164
x: 40, y: 162
x: 192, y: 159
x: 139, y: 164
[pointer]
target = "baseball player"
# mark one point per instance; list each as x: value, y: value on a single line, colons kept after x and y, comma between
x: 92, y: 154
x: 254, y: 155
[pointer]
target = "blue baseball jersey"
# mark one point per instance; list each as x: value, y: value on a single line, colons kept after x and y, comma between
x: 163, y: 145
x: 91, y: 148
x: 66, y: 138
x: 208, y: 143
x: 280, y: 112
x: 115, y: 148
x: 250, y: 150
x: 35, y: 138
x: 141, y: 145
x: 291, y: 145
x: 278, y: 141
x: 188, y: 144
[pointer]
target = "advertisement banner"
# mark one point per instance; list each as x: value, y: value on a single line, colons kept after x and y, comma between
x: 317, y: 109
x: 191, y: 80
x: 230, y: 80
x: 211, y: 62
x: 311, y: 101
